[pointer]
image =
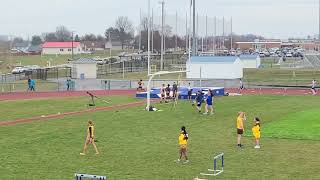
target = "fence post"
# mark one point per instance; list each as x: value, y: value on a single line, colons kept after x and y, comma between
x: 130, y: 84
x: 109, y: 85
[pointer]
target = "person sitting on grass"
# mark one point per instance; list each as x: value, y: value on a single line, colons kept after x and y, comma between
x: 183, y: 142
x: 198, y: 101
x: 209, y: 103
x: 256, y: 132
x: 240, y: 127
x: 90, y: 139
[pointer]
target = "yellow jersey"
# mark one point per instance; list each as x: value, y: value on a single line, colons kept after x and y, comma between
x: 90, y: 131
x: 256, y: 131
x: 240, y: 123
x: 183, y: 139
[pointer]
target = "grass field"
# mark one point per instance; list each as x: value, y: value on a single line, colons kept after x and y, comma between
x: 139, y: 145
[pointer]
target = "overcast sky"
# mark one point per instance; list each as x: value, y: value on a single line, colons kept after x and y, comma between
x: 270, y: 18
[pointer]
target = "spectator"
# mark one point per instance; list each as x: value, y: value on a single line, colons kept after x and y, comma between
x: 69, y: 82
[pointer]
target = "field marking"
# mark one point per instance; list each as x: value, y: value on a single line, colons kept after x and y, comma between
x: 62, y: 115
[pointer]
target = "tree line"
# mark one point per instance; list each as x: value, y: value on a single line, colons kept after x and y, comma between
x: 123, y: 33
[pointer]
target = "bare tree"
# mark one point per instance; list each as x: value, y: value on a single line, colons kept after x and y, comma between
x: 126, y: 31
x: 63, y: 34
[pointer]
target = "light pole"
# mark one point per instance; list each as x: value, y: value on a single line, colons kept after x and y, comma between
x: 72, y: 44
x: 162, y: 34
x: 193, y: 3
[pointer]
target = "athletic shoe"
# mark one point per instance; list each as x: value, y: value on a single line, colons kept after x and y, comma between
x: 186, y: 162
x: 257, y: 147
x: 205, y: 113
x: 211, y: 113
x: 82, y: 154
x: 97, y: 153
x: 177, y: 161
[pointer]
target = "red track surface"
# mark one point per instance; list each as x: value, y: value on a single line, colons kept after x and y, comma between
x: 56, y: 116
x: 275, y: 91
x: 34, y: 95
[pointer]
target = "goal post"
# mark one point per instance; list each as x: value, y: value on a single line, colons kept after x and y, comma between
x: 151, y: 76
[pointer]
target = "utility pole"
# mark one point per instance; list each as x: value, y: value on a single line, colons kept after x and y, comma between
x: 72, y: 45
x: 319, y: 30
x: 149, y: 28
x: 187, y: 34
x: 194, y: 48
x: 110, y: 41
x: 231, y: 38
x: 140, y: 34
x: 206, y: 38
x: 197, y: 34
x: 223, y: 33
x: 162, y: 34
x: 152, y: 28
x: 215, y: 35
x: 176, y: 43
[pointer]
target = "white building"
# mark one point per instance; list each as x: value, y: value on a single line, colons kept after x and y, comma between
x: 61, y: 48
x: 250, y: 61
x: 215, y: 67
x: 84, y: 68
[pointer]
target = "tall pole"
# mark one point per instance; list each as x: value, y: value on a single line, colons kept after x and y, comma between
x: 187, y: 33
x: 206, y: 38
x: 197, y: 33
x: 223, y: 33
x: 140, y: 34
x: 176, y: 40
x: 319, y: 30
x: 231, y: 38
x: 152, y: 32
x: 190, y: 24
x: 110, y: 41
x: 194, y: 48
x: 72, y: 45
x: 162, y: 34
x: 215, y: 35
x: 149, y: 28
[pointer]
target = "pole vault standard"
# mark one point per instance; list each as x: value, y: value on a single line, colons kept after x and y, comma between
x: 149, y: 83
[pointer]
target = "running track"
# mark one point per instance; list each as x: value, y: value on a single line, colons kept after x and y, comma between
x: 35, y: 95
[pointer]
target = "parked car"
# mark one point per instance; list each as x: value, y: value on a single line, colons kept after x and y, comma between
x: 289, y: 54
x: 18, y: 70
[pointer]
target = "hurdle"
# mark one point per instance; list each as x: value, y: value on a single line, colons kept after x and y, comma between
x: 215, y: 169
x: 81, y: 176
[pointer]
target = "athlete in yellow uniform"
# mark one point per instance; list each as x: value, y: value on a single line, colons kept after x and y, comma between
x: 256, y: 132
x: 183, y: 142
x: 90, y: 139
x: 240, y: 127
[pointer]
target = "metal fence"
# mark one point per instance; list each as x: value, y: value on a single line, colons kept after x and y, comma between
x: 108, y: 84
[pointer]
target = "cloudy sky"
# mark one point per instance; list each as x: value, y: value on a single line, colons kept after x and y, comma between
x: 270, y: 18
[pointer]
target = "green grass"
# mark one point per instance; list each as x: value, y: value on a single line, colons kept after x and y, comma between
x: 299, y: 125
x: 11, y: 110
x: 139, y: 145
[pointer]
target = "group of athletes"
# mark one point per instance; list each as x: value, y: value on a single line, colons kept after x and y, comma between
x: 165, y: 92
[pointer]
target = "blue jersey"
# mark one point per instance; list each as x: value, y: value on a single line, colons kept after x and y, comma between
x: 209, y: 100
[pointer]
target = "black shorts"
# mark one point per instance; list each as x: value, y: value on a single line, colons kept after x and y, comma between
x: 199, y: 104
x: 189, y: 93
x: 240, y: 131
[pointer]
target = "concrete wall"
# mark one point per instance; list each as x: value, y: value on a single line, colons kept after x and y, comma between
x: 76, y: 50
x: 216, y: 70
